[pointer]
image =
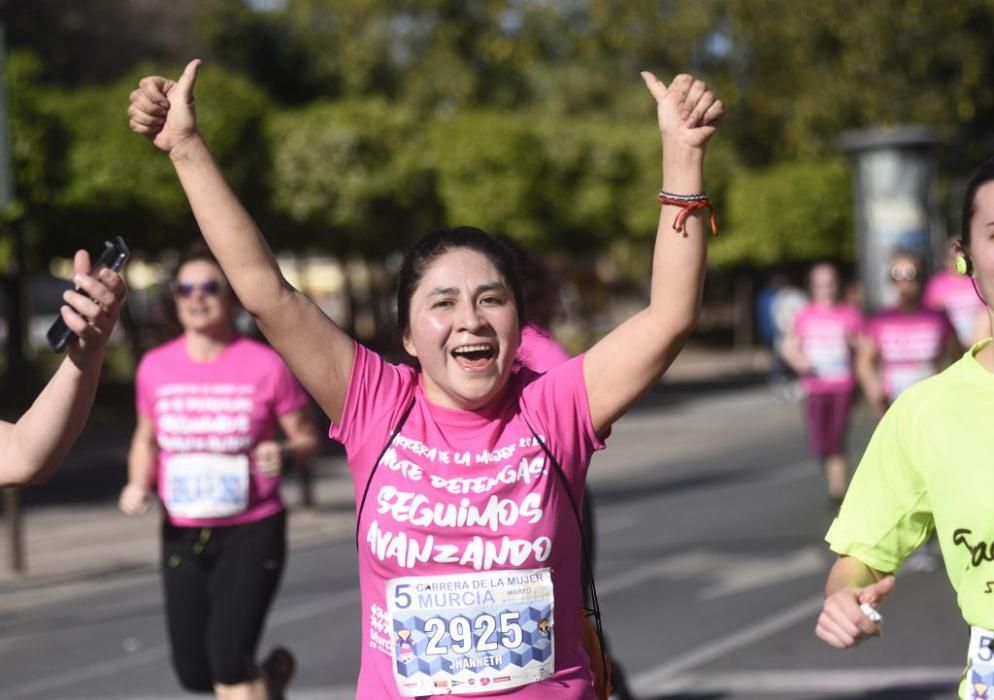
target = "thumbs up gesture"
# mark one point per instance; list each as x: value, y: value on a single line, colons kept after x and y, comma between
x: 162, y: 110
x: 687, y: 110
x: 843, y: 623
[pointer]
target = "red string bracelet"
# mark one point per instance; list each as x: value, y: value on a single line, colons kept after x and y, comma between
x: 688, y: 203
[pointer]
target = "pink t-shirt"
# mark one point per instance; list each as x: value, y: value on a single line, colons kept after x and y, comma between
x: 208, y: 417
x: 827, y: 334
x: 954, y: 294
x: 467, y: 494
x: 910, y: 344
x: 539, y: 350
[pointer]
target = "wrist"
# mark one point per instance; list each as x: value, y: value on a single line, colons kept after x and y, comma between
x: 681, y: 153
x: 188, y: 148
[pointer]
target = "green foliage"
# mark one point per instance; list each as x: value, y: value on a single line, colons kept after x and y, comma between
x: 116, y: 181
x: 793, y: 211
x: 354, y: 125
x: 346, y: 176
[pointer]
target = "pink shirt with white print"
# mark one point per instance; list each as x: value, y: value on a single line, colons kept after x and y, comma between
x: 221, y: 407
x: 450, y: 461
x: 954, y: 294
x: 827, y: 335
x: 911, y: 345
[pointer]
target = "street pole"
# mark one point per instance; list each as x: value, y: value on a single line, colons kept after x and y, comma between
x: 896, y: 207
x: 11, y: 501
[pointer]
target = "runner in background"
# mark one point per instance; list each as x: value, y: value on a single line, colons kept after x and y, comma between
x: 928, y: 468
x: 903, y: 344
x: 209, y: 403
x: 39, y: 441
x: 820, y: 349
x: 952, y: 293
x: 469, y: 543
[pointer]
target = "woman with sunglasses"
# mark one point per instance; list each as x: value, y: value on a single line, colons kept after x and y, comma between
x: 905, y: 343
x: 927, y: 468
x: 209, y: 403
x: 469, y: 469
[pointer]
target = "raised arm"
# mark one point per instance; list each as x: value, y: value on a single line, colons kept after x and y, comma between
x: 627, y: 361
x: 33, y: 447
x: 318, y: 352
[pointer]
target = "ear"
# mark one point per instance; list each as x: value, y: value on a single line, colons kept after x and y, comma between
x: 409, y: 344
x: 963, y: 263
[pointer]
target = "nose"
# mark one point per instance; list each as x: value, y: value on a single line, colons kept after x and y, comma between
x: 469, y: 318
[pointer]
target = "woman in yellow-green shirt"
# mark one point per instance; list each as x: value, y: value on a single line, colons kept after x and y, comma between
x: 928, y: 467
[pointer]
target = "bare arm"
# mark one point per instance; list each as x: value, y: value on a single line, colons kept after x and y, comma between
x: 626, y: 362
x: 792, y: 353
x: 318, y: 352
x: 850, y: 584
x: 39, y: 441
x: 867, y: 356
x: 299, y: 447
x: 142, y: 459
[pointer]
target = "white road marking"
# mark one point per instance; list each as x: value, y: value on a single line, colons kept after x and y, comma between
x: 647, y: 681
x: 823, y: 680
x: 159, y: 653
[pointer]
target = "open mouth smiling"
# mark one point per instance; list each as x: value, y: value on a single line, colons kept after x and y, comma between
x: 475, y: 355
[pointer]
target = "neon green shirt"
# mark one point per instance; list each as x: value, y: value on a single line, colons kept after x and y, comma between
x: 930, y: 464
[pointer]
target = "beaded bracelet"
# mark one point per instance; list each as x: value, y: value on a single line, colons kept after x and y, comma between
x: 687, y: 203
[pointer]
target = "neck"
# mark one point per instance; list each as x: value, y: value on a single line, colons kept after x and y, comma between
x: 205, y: 346
x: 909, y: 305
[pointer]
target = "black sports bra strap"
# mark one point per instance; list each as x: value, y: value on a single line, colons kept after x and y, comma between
x: 376, y: 464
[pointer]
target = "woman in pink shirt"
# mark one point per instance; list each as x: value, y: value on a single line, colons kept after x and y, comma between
x: 905, y: 343
x: 468, y: 470
x: 208, y: 404
x: 820, y: 348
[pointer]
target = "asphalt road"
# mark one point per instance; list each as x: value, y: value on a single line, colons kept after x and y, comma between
x: 710, y: 565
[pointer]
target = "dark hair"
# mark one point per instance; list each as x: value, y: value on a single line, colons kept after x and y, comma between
x: 984, y: 174
x: 539, y: 284
x: 435, y: 244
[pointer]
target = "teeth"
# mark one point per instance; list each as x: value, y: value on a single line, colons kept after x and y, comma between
x: 472, y: 348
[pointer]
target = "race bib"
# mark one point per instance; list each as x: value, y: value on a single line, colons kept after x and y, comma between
x: 980, y: 675
x: 206, y: 485
x: 830, y: 362
x: 900, y: 378
x: 471, y: 633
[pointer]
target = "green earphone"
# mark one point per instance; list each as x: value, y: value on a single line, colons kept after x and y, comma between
x: 962, y: 266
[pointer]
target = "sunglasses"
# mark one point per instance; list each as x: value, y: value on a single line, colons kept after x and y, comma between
x: 210, y: 287
x: 904, y: 273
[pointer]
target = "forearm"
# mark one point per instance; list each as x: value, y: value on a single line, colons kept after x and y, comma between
x: 142, y: 459
x: 679, y: 259
x: 849, y: 572
x: 232, y: 235
x: 41, y: 439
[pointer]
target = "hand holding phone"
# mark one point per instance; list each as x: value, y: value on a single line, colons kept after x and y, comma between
x: 114, y: 256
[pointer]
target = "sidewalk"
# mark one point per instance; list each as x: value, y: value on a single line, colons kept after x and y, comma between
x: 78, y: 546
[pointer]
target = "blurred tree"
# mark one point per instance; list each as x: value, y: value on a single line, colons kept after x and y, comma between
x: 791, y: 211
x: 115, y: 182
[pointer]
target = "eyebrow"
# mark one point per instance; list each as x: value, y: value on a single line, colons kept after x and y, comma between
x: 489, y: 287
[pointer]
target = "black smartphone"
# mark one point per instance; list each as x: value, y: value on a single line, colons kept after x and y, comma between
x: 114, y: 256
